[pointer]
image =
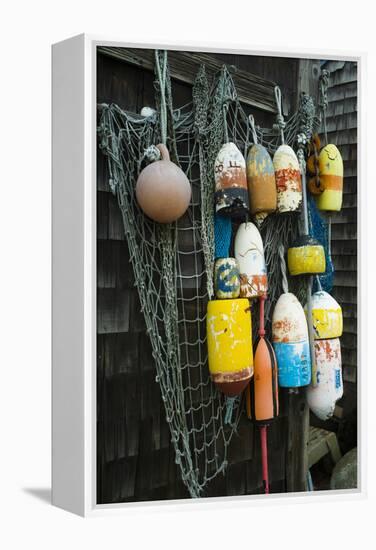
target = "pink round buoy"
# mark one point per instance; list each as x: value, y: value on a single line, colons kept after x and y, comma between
x: 163, y: 191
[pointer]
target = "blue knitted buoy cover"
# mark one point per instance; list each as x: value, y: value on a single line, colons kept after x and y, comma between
x: 319, y: 230
x: 222, y: 236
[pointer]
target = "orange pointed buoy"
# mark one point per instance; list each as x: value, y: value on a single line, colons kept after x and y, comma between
x: 262, y: 395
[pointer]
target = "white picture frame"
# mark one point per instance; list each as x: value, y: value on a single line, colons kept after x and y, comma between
x: 74, y: 277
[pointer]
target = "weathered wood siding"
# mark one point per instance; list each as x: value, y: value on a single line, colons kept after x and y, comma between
x: 342, y: 131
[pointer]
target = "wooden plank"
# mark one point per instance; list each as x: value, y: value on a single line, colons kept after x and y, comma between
x: 349, y: 374
x: 112, y: 310
x: 320, y: 443
x: 113, y: 267
x: 252, y: 89
x: 297, y: 455
x: 342, y: 107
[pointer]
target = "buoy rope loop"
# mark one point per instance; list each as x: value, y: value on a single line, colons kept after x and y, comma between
x: 279, y: 118
x: 285, y: 285
x: 161, y: 66
x: 251, y: 120
x: 323, y: 100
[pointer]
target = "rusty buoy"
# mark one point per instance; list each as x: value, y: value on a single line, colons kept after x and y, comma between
x: 229, y: 338
x: 231, y: 192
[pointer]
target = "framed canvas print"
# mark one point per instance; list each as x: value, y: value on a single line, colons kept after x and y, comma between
x: 205, y: 280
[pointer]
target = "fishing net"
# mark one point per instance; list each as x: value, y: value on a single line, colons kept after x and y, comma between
x: 173, y: 264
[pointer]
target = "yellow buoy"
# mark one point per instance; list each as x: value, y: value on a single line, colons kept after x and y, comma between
x: 229, y: 338
x: 331, y: 179
x: 306, y: 256
x: 326, y: 316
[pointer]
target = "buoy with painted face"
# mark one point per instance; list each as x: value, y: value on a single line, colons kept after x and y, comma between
x: 249, y: 252
x: 288, y: 180
x: 231, y: 191
x: 328, y: 390
x: 163, y: 191
x: 306, y: 257
x: 261, y: 181
x: 326, y: 316
x: 291, y: 342
x: 229, y: 338
x: 327, y: 183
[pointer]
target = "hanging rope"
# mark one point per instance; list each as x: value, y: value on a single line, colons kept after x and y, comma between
x: 253, y: 128
x: 161, y: 69
x: 285, y: 285
x: 280, y: 120
x: 323, y: 99
x: 318, y: 283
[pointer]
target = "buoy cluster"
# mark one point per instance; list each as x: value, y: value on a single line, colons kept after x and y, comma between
x: 258, y: 185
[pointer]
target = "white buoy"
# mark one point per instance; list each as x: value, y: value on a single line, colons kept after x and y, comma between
x: 323, y: 396
x: 249, y: 252
x: 288, y: 180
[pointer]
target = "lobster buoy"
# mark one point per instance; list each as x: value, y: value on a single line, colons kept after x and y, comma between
x: 229, y: 337
x: 261, y: 181
x: 306, y: 256
x: 288, y: 180
x: 291, y: 342
x: 323, y: 396
x: 226, y: 278
x: 231, y: 192
x: 326, y: 316
x: 163, y: 191
x: 265, y: 406
x: 330, y: 177
x: 249, y: 252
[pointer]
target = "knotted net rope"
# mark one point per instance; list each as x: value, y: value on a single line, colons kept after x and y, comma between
x: 173, y: 264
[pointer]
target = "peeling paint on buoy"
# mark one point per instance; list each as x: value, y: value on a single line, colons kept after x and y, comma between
x: 288, y: 180
x: 323, y: 396
x: 261, y: 181
x: 291, y: 342
x: 306, y: 256
x: 249, y: 252
x: 229, y: 338
x: 226, y: 278
x: 326, y: 316
x: 231, y: 191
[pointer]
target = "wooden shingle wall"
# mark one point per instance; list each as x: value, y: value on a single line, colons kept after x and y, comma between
x: 135, y: 458
x: 342, y: 131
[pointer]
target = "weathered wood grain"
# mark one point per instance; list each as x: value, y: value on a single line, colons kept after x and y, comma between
x: 252, y: 89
